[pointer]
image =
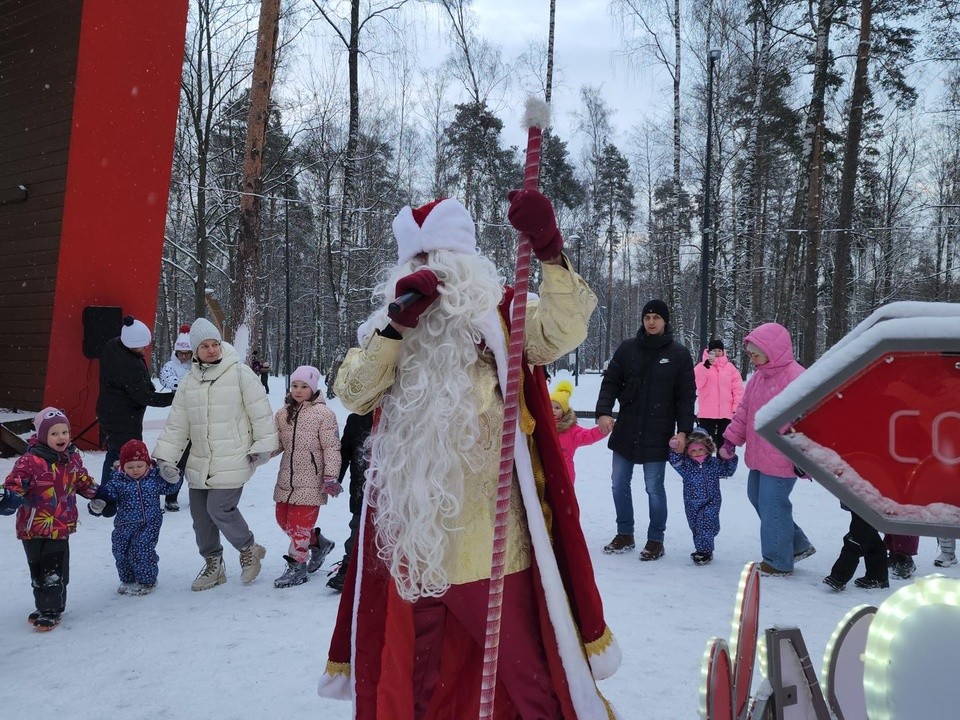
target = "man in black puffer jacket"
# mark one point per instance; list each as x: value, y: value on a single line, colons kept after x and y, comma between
x: 125, y: 389
x: 651, y: 376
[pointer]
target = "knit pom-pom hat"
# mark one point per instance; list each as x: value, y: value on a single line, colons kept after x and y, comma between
x: 134, y: 451
x: 561, y: 394
x: 183, y: 340
x: 134, y: 334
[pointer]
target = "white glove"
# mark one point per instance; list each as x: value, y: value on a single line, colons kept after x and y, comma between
x: 96, y: 506
x: 168, y: 471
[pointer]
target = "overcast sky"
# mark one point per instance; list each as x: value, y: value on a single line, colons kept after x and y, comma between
x: 586, y: 42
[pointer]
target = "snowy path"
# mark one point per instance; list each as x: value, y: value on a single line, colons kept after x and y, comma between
x: 254, y: 652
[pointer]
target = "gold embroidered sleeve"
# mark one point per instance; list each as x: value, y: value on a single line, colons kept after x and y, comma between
x: 367, y: 373
x: 557, y: 322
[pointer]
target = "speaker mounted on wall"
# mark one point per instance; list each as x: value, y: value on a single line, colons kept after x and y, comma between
x: 100, y: 323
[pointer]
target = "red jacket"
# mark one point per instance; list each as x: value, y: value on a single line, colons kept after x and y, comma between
x: 49, y: 482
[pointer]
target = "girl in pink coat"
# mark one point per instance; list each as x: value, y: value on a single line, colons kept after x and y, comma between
x: 772, y: 475
x: 309, y: 468
x: 719, y: 389
x: 572, y: 436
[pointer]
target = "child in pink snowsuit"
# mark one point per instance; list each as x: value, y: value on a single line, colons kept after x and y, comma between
x: 572, y: 436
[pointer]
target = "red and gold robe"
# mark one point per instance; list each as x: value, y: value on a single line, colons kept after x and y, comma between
x: 371, y: 658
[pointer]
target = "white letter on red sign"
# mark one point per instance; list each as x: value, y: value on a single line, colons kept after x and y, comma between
x: 936, y: 438
x: 893, y: 436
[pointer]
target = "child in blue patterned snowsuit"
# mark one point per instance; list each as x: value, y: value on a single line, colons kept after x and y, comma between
x: 136, y: 488
x: 701, y: 471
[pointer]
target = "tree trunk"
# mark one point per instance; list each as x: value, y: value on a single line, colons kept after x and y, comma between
x: 808, y: 208
x: 839, y: 309
x: 246, y: 288
x: 673, y: 285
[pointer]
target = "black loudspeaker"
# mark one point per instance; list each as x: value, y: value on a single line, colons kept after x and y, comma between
x: 99, y: 325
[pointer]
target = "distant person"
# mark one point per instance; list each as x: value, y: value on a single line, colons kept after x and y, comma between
x: 772, y: 475
x: 177, y: 367
x: 171, y: 374
x: 701, y: 472
x: 572, y: 435
x: 220, y: 410
x: 651, y: 377
x: 719, y: 389
x: 134, y: 488
x: 46, y: 480
x: 862, y: 541
x: 309, y: 467
x: 355, y: 457
x: 125, y: 390
x: 262, y: 369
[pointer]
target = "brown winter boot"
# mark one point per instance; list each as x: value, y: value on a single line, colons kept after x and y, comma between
x: 653, y: 550
x: 621, y: 543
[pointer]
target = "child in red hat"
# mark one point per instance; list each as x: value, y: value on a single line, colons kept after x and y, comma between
x: 136, y: 487
x: 47, y: 478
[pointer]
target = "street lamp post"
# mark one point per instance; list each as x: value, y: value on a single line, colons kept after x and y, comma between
x: 286, y: 263
x: 576, y: 353
x: 712, y: 58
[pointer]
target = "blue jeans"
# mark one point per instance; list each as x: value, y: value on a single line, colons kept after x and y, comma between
x: 623, y: 496
x: 780, y: 537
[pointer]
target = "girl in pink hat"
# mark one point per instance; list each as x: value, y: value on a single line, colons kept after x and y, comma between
x: 309, y: 468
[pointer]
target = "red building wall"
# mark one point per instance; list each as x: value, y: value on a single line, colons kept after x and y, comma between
x: 118, y: 176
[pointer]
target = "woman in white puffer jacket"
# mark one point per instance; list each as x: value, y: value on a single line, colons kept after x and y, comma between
x: 221, y: 409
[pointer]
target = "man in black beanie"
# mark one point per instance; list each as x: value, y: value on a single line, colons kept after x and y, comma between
x: 651, y: 376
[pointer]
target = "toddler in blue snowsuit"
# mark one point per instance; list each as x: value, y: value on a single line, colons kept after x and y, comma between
x: 136, y: 488
x: 701, y: 471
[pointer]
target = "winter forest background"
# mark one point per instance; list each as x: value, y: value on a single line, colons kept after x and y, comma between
x: 836, y: 162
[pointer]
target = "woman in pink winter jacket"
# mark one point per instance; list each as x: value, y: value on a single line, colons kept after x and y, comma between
x: 572, y: 436
x: 772, y: 475
x: 719, y: 389
x: 309, y: 468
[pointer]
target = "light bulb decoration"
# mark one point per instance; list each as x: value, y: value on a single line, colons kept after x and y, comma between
x: 910, y: 659
x: 895, y: 662
x: 842, y: 667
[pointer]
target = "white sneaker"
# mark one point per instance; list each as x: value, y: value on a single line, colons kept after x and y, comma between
x: 250, y: 558
x: 945, y: 559
x: 213, y: 573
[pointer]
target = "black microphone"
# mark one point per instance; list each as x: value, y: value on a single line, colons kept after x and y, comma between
x: 403, y: 302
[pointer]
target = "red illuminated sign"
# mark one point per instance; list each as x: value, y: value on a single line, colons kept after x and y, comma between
x: 877, y: 419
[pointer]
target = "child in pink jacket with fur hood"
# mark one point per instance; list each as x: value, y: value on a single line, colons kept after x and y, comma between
x: 310, y: 442
x: 572, y: 436
x: 772, y: 475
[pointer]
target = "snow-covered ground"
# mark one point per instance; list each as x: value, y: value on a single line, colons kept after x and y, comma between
x: 257, y: 652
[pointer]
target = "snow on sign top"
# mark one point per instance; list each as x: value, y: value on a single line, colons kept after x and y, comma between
x: 877, y: 419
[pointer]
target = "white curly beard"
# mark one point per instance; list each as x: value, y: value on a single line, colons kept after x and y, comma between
x: 428, y: 423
